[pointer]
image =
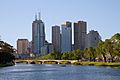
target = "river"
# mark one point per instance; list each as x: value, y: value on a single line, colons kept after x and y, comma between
x: 58, y: 72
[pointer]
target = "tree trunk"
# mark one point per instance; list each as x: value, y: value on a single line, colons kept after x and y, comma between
x: 94, y: 59
x: 90, y: 59
x: 104, y: 58
x: 112, y: 58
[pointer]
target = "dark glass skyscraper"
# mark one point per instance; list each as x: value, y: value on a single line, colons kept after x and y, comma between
x: 38, y: 35
x: 56, y: 37
x: 80, y: 31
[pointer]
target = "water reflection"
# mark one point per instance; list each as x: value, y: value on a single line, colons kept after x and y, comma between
x: 58, y: 72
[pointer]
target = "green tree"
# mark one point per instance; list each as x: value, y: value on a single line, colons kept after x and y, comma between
x: 71, y: 55
x: 109, y: 49
x: 101, y: 50
x: 77, y: 54
x: 86, y: 53
x: 65, y: 56
x: 56, y: 55
x: 117, y: 49
x: 115, y: 39
x: 91, y: 54
x: 6, y: 51
x: 45, y: 57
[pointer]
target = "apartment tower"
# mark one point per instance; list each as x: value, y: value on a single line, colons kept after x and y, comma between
x: 56, y: 37
x: 80, y: 31
x: 22, y: 46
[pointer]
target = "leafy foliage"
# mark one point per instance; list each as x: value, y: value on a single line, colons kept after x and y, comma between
x: 106, y: 51
x: 6, y: 51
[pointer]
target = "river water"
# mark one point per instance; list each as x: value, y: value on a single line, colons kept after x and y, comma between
x: 58, y: 72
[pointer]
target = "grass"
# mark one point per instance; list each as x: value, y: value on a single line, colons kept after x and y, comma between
x: 64, y: 62
x: 2, y: 65
x: 50, y: 62
x: 114, y: 64
x: 5, y: 65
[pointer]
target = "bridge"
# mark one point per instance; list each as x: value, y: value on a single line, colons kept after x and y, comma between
x: 46, y: 61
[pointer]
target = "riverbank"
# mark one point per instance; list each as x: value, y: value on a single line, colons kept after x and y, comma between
x: 105, y: 64
x: 114, y: 64
x: 71, y: 62
x: 7, y: 64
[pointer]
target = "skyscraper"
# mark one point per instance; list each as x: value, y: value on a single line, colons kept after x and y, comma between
x: 92, y: 39
x: 38, y: 35
x: 56, y: 37
x: 66, y: 37
x: 80, y: 30
x: 22, y: 46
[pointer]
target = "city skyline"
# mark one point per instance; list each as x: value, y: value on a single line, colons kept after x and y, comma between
x: 16, y: 17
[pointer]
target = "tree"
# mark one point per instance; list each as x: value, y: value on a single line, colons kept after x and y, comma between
x: 115, y: 39
x: 74, y: 55
x: 77, y: 54
x: 56, y: 55
x: 91, y: 54
x: 65, y: 56
x: 85, y: 53
x: 109, y: 49
x: 101, y: 50
x: 117, y: 49
x: 71, y: 55
x: 6, y: 51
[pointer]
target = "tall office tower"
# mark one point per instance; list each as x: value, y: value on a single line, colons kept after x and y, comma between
x: 56, y: 37
x: 80, y: 30
x: 22, y: 46
x: 92, y: 39
x: 38, y: 35
x: 66, y: 37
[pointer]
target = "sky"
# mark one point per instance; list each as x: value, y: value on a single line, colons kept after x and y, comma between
x: 16, y: 16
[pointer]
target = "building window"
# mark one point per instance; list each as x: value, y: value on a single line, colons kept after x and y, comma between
x: 95, y: 38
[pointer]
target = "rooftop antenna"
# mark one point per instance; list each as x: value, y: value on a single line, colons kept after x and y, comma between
x: 35, y: 16
x: 39, y: 15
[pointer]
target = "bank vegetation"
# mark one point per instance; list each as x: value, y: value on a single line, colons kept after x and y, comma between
x: 106, y: 51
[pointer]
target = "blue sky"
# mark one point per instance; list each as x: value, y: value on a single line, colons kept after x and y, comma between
x: 16, y: 16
